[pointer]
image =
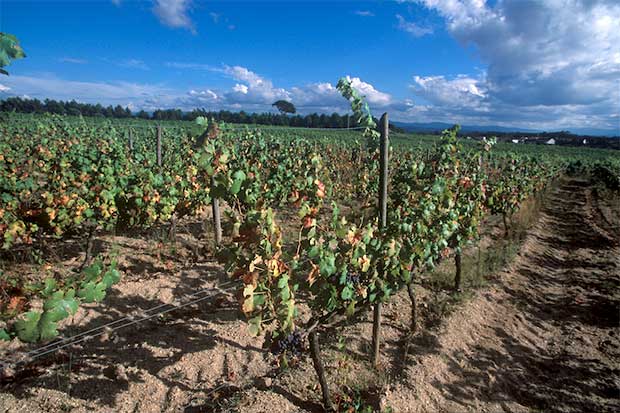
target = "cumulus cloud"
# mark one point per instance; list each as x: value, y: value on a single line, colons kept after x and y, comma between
x: 253, y: 88
x: 412, y: 28
x: 174, y: 13
x: 555, y: 58
x: 439, y: 90
x: 250, y: 91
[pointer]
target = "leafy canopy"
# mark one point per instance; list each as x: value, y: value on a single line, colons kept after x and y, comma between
x: 284, y: 106
x: 9, y: 49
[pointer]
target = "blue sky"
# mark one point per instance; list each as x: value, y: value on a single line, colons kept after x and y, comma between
x: 542, y: 64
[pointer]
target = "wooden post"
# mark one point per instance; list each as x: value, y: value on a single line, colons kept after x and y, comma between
x: 384, y: 149
x: 217, y: 220
x: 158, y: 145
x: 457, y: 276
x: 130, y: 141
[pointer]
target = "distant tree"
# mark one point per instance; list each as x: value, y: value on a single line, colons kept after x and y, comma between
x: 284, y: 107
x: 143, y: 115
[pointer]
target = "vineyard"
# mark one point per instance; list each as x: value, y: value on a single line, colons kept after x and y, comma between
x: 309, y: 232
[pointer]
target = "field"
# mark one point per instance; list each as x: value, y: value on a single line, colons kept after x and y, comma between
x: 497, y: 270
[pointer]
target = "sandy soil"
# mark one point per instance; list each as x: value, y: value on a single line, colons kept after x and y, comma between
x: 543, y: 336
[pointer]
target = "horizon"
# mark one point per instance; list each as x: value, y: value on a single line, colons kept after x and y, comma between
x: 535, y: 65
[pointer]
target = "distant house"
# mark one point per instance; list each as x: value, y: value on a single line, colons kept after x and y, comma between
x: 585, y: 142
x: 515, y: 141
x: 550, y: 142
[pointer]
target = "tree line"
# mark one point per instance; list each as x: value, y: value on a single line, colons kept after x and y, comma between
x: 73, y: 108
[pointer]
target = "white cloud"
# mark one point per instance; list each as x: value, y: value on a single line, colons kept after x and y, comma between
x: 4, y: 88
x: 250, y: 92
x: 412, y: 28
x: 541, y: 53
x: 372, y: 95
x: 133, y: 64
x: 241, y: 88
x: 364, y: 13
x: 189, y: 65
x: 439, y: 90
x: 556, y: 61
x: 122, y: 93
x: 252, y: 88
x: 174, y: 13
x: 73, y: 60
x: 215, y: 17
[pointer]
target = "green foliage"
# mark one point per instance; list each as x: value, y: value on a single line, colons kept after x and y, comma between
x: 360, y: 108
x: 60, y: 301
x: 284, y: 106
x: 9, y: 50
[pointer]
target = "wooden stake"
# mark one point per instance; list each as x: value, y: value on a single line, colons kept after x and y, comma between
x: 217, y: 220
x: 457, y: 276
x: 383, y: 184
x: 158, y: 145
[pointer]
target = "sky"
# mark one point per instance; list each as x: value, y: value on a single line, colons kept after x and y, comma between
x: 545, y: 64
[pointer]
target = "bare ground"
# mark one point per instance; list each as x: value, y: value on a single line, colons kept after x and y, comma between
x: 543, y: 336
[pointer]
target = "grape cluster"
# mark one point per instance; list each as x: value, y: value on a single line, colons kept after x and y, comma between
x: 292, y: 344
x: 353, y: 278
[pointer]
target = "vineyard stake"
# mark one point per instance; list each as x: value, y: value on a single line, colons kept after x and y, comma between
x: 457, y: 276
x: 383, y: 181
x: 130, y: 140
x: 217, y: 221
x: 158, y: 145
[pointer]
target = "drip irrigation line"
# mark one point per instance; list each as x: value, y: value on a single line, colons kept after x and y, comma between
x: 114, y: 326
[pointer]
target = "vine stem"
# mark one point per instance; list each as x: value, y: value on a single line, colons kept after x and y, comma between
x: 317, y: 361
x: 89, y: 248
x: 414, y: 316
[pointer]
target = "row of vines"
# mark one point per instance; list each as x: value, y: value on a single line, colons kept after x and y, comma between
x: 61, y: 179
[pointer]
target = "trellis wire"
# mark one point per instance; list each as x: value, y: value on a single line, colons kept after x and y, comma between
x: 107, y: 328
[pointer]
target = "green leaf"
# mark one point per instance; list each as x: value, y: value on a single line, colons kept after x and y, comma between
x: 327, y: 266
x: 347, y: 293
x: 238, y: 178
x: 4, y: 335
x: 92, y: 292
x: 28, y: 327
x: 254, y: 325
x: 50, y: 287
x: 111, y: 277
x: 60, y: 305
x: 48, y: 327
x: 92, y: 271
x: 350, y: 309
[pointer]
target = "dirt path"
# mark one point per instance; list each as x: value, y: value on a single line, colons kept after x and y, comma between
x: 545, y: 336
